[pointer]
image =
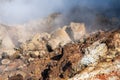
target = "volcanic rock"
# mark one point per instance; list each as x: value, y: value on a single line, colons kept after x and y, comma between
x: 102, y: 71
x: 93, y: 53
x: 107, y: 65
x: 76, y: 31
x: 59, y: 38
x: 37, y: 67
x: 61, y: 55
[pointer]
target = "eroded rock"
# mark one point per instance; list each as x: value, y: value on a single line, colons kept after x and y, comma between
x: 59, y: 38
x: 94, y: 53
x: 76, y: 31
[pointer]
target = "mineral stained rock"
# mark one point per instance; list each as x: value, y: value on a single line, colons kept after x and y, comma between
x: 93, y: 53
x: 62, y: 56
x: 108, y: 67
x: 102, y: 71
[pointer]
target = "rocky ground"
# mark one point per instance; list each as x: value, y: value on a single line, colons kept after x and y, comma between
x: 68, y: 53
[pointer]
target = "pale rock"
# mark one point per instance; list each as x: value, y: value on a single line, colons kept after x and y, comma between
x: 27, y: 46
x: 5, y: 61
x: 36, y: 43
x: 45, y: 36
x: 59, y: 38
x: 36, y: 38
x: 41, y: 36
x: 109, y: 71
x: 39, y: 44
x: 93, y: 53
x: 7, y: 43
x: 116, y: 41
x: 37, y: 53
x: 42, y: 53
x: 31, y: 59
x: 30, y: 46
x: 76, y: 31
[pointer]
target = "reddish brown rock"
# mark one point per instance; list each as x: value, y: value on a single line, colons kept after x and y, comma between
x: 16, y: 77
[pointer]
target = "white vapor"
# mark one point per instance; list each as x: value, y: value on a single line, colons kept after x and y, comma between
x: 20, y: 11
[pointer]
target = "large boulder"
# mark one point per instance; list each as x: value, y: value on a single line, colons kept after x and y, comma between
x: 76, y: 31
x: 59, y: 38
x: 93, y: 53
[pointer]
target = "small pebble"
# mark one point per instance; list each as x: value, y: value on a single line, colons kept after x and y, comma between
x: 5, y: 61
x: 31, y: 59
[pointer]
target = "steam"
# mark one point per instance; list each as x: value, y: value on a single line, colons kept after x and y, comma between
x: 19, y: 11
x: 34, y: 16
x: 22, y: 11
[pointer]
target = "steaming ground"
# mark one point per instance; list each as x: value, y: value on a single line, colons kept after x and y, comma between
x: 61, y: 22
x: 21, y: 19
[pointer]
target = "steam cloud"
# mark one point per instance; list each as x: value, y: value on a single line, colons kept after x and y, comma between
x: 21, y: 11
